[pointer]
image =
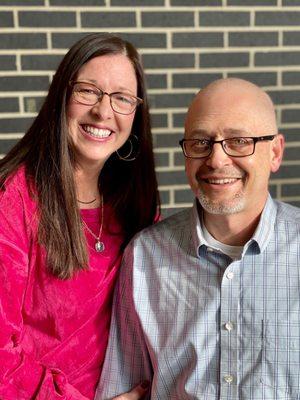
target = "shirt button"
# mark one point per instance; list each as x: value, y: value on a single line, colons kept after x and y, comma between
x: 228, y: 326
x: 229, y: 275
x: 228, y: 379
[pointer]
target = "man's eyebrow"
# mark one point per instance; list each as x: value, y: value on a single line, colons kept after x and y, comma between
x: 236, y: 132
x: 198, y: 132
x: 228, y: 131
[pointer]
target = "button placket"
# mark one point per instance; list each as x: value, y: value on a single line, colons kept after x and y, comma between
x: 229, y: 342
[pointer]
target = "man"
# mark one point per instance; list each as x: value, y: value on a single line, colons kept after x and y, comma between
x: 208, y: 301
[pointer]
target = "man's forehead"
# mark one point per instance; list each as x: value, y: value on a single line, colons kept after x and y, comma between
x: 231, y: 119
x: 226, y: 132
x: 226, y: 121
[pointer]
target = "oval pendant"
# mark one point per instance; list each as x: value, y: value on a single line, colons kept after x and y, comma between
x: 99, y: 246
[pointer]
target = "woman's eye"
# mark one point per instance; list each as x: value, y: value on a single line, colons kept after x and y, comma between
x: 87, y: 90
x: 124, y: 99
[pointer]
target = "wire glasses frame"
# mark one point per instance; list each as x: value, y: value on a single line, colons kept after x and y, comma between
x: 233, y: 147
x: 89, y: 94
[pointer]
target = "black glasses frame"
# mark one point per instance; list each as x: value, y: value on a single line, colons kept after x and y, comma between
x: 211, y: 143
x: 102, y: 93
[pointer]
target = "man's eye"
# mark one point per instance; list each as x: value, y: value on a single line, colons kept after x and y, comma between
x: 202, y: 143
x: 239, y: 141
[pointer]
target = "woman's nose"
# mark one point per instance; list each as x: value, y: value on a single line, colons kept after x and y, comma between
x: 103, y: 107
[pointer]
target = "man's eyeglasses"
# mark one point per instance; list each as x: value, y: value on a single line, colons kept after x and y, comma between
x: 233, y: 147
x: 89, y: 95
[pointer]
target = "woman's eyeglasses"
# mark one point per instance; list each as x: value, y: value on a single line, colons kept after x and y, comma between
x: 89, y: 95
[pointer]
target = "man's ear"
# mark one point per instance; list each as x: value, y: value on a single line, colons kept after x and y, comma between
x: 277, y: 152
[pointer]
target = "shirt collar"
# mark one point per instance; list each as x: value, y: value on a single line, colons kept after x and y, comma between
x: 196, y: 227
x: 265, y: 226
x: 261, y: 235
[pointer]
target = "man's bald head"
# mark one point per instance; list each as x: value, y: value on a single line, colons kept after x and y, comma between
x: 235, y: 97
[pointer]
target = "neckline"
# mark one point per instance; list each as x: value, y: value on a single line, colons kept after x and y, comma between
x: 90, y: 211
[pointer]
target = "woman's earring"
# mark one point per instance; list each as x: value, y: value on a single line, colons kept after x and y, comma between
x: 133, y: 148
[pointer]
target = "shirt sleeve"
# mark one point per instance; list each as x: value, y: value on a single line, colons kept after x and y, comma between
x: 127, y: 361
x: 21, y: 376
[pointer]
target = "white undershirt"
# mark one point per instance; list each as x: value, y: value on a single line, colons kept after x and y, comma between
x: 234, y: 252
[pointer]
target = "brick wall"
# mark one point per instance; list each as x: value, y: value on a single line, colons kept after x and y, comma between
x: 184, y: 44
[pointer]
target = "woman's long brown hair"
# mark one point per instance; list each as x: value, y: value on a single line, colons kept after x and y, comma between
x: 45, y: 150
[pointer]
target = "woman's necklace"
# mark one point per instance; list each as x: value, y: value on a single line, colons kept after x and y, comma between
x: 99, y: 245
x: 87, y: 202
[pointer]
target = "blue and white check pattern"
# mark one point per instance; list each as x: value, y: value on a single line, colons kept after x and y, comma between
x: 201, y: 326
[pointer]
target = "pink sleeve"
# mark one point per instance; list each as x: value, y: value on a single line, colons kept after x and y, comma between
x: 21, y: 377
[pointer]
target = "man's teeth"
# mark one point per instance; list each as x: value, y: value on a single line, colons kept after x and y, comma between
x: 96, y: 132
x: 221, y: 181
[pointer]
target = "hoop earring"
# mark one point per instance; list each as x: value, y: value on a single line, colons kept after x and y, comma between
x: 129, y: 156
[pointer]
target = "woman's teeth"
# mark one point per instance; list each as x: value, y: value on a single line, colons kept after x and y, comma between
x: 97, y: 132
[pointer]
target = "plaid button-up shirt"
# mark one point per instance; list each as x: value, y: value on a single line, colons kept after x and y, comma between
x: 199, y: 325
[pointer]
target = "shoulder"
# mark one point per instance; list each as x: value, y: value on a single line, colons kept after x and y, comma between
x: 167, y: 227
x: 164, y: 236
x: 16, y: 180
x: 152, y: 248
x: 287, y: 213
x: 16, y: 197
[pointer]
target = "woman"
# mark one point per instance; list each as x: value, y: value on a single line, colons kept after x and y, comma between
x: 74, y: 190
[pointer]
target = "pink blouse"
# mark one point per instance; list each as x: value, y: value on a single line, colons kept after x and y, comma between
x: 53, y: 333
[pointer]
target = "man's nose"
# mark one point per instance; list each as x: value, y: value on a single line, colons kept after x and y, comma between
x: 218, y: 158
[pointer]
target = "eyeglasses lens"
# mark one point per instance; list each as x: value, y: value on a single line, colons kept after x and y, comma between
x: 236, y: 147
